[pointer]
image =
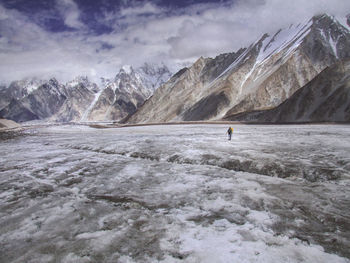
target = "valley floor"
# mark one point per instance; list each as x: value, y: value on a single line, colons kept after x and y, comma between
x: 179, y: 193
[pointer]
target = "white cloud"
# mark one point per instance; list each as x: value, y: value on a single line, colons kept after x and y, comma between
x: 3, y: 13
x: 147, y: 8
x: 70, y: 12
x: 144, y: 33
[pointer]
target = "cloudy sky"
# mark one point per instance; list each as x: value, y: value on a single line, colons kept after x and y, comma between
x: 66, y: 38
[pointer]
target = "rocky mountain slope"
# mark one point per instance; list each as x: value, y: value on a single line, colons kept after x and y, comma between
x: 257, y: 78
x: 79, y: 93
x: 18, y: 90
x: 41, y: 102
x: 128, y: 91
x: 80, y: 99
x: 325, y: 98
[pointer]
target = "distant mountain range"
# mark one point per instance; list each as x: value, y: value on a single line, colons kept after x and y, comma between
x: 258, y: 78
x: 80, y: 99
x: 299, y: 74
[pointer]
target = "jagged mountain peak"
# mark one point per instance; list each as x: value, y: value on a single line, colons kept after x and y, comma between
x: 78, y: 79
x: 328, y: 22
x: 126, y: 80
x: 27, y: 85
x: 52, y: 86
x: 200, y: 60
x: 145, y: 79
x: 126, y: 74
x: 324, y: 19
x: 259, y: 77
x: 84, y: 81
x: 128, y: 69
x: 126, y: 91
x: 323, y: 27
x: 53, y: 82
x: 152, y: 69
x: 81, y: 99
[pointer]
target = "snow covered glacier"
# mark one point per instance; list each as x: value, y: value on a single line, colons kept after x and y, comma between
x: 176, y: 194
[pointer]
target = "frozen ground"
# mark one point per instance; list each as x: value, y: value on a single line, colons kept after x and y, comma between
x: 176, y: 194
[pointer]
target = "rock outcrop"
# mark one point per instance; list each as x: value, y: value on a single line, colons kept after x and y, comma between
x: 8, y: 124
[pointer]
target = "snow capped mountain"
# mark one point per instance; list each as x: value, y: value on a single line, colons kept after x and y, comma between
x: 19, y: 89
x: 145, y: 79
x: 42, y: 102
x: 81, y: 99
x: 153, y: 75
x: 39, y: 99
x: 29, y: 85
x: 83, y: 80
x: 257, y: 78
x: 128, y: 81
x: 79, y: 92
x: 128, y: 91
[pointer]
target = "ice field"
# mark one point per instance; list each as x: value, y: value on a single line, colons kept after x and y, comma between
x: 176, y: 193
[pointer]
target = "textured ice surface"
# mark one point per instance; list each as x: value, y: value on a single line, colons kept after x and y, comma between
x: 176, y: 194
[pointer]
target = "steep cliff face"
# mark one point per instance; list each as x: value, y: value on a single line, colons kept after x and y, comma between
x: 40, y: 103
x: 4, y: 97
x: 79, y: 94
x: 127, y: 92
x: 16, y: 111
x: 324, y: 99
x: 257, y: 78
x: 18, y: 90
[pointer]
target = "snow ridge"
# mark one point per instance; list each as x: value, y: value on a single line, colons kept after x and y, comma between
x: 290, y: 37
x: 91, y: 106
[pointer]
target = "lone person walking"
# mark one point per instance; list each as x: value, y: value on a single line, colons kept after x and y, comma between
x: 229, y: 132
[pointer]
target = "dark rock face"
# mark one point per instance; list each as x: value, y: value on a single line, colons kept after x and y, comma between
x: 324, y: 99
x: 327, y: 41
x: 207, y: 107
x: 46, y: 100
x: 4, y: 98
x: 178, y: 74
x: 17, y: 112
x: 214, y: 67
x: 43, y: 102
x: 17, y: 90
x: 126, y: 106
x: 78, y: 99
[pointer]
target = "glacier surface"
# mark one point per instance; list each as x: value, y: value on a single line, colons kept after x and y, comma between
x: 176, y: 193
